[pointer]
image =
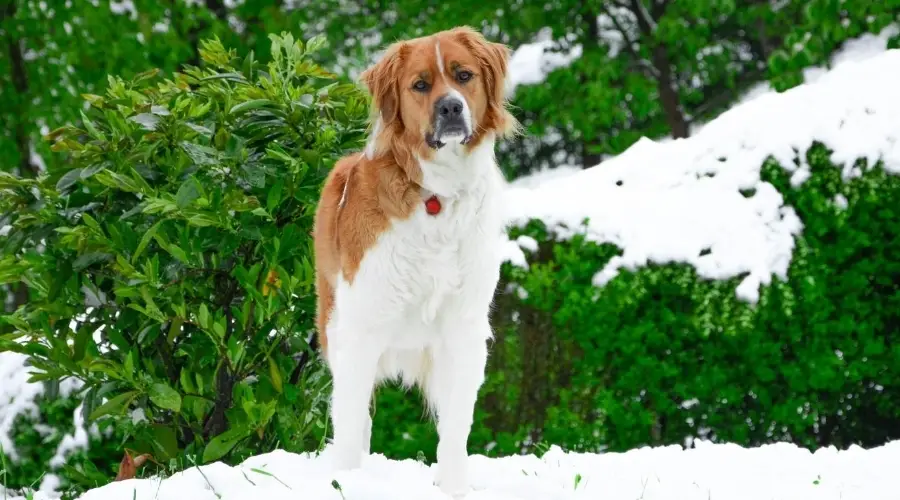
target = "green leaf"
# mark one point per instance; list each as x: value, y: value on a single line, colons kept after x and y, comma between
x: 165, y: 396
x: 165, y: 441
x: 174, y: 329
x: 67, y: 180
x: 220, y: 445
x: 91, y: 128
x: 201, y: 155
x: 88, y: 259
x: 275, y: 373
x: 273, y: 199
x: 203, y: 220
x: 114, y: 405
x: 260, y: 211
x: 145, y: 240
x: 252, y: 104
x: 203, y: 317
x: 187, y: 193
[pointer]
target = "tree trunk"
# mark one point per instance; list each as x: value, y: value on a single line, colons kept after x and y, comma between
x: 217, y: 8
x: 19, y: 75
x: 20, y: 84
x: 668, y: 96
x: 217, y: 422
x: 592, y: 43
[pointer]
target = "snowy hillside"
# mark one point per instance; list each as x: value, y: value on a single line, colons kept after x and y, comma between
x: 701, y: 201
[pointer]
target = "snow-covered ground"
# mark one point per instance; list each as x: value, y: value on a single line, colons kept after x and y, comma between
x: 709, y: 471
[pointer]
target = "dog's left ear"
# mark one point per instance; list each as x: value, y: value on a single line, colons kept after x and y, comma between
x: 496, y: 63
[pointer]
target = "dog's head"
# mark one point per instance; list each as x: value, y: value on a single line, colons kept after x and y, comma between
x: 431, y: 91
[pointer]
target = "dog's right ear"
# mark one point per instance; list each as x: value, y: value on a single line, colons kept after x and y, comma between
x: 381, y: 80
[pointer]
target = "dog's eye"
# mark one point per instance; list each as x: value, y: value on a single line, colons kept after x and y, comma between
x: 420, y: 86
x: 464, y: 76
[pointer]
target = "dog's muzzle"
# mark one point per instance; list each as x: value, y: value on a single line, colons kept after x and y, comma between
x: 449, y: 122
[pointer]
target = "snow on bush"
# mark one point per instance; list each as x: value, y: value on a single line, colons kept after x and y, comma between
x: 16, y: 398
x: 19, y: 400
x: 701, y: 201
x: 530, y: 63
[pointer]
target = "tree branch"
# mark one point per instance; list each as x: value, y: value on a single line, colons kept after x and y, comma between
x: 642, y: 63
x: 645, y: 21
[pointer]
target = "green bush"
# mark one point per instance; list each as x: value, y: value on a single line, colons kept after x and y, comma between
x: 169, y: 258
x: 37, y: 439
x: 660, y: 356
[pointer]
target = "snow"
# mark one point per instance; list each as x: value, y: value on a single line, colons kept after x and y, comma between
x: 718, y: 471
x: 530, y: 63
x: 18, y: 397
x: 858, y: 49
x: 682, y: 200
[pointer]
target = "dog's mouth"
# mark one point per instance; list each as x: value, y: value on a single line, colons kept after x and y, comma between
x: 455, y: 132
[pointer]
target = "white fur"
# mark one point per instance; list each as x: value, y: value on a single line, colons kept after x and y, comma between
x: 440, y: 60
x: 467, y: 113
x: 418, y: 309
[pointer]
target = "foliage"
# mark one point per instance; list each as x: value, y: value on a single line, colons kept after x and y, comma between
x: 38, y: 439
x: 660, y: 356
x: 824, y: 26
x: 169, y: 255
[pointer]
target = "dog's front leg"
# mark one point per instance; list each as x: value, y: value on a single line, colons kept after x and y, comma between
x: 458, y: 372
x: 353, y: 369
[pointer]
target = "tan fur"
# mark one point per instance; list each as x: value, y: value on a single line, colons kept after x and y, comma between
x: 387, y: 186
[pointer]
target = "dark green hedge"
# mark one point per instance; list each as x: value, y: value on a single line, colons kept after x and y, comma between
x: 660, y: 356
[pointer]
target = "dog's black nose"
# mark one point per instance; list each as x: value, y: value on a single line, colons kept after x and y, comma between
x: 449, y: 107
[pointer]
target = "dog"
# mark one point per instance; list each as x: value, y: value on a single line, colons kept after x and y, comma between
x: 408, y: 239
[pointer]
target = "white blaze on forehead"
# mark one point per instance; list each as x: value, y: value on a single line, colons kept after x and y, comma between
x: 440, y: 60
x: 467, y: 113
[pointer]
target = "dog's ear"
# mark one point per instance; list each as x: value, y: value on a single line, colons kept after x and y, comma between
x: 381, y: 80
x: 496, y: 62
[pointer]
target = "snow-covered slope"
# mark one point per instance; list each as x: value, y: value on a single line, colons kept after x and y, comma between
x: 701, y: 201
x: 720, y: 471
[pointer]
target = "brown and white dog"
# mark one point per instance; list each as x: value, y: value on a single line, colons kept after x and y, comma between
x: 407, y: 242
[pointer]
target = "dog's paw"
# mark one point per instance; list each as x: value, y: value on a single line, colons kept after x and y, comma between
x: 455, y: 491
x: 452, y: 481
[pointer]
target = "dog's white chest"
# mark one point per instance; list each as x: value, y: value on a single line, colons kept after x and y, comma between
x: 431, y: 265
x: 428, y: 270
